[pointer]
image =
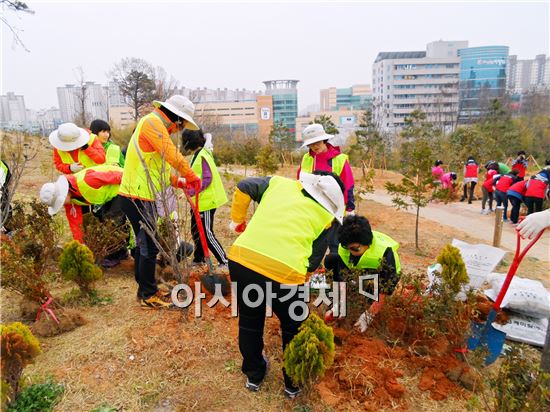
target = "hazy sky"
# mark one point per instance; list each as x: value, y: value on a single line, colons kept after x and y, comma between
x: 236, y: 45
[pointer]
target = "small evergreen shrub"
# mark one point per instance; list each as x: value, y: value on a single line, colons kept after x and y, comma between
x: 454, y: 273
x: 18, y: 348
x: 77, y: 264
x: 311, y: 351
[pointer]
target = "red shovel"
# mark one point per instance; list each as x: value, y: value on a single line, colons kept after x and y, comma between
x: 486, y: 335
x: 211, y: 278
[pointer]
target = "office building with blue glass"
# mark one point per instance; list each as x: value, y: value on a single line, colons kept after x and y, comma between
x: 285, y: 101
x: 482, y: 79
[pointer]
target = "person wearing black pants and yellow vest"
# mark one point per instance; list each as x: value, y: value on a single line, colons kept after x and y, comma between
x: 211, y: 194
x: 275, y: 250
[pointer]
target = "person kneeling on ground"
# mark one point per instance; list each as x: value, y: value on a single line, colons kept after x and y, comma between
x: 368, y: 250
x: 275, y: 251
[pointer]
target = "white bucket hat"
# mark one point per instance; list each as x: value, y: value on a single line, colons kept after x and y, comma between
x: 54, y: 194
x: 68, y: 136
x: 314, y: 133
x: 180, y: 106
x: 326, y: 191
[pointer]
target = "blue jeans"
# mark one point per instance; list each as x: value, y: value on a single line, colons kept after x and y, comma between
x: 502, y: 200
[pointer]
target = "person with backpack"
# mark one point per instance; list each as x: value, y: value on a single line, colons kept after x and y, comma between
x: 502, y: 183
x: 471, y: 170
x: 211, y: 194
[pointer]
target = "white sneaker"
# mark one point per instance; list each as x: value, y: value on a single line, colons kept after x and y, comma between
x: 484, y: 212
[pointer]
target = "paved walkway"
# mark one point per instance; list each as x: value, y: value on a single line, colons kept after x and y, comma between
x: 467, y: 218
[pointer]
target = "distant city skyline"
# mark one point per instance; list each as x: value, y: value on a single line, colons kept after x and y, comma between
x: 238, y: 45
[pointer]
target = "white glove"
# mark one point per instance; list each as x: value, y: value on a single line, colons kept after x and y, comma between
x: 364, y: 321
x: 533, y: 224
x: 76, y: 167
x: 208, y: 145
x: 350, y: 213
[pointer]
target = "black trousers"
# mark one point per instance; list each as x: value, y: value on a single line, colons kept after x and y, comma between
x: 146, y: 251
x: 113, y: 210
x: 252, y: 320
x: 502, y: 200
x: 207, y: 218
x: 534, y: 204
x: 472, y: 187
x: 516, y: 205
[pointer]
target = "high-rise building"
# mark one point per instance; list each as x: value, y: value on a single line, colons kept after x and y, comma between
x: 12, y: 108
x: 285, y: 101
x: 204, y: 95
x: 528, y: 75
x: 482, y: 79
x: 417, y: 80
x: 96, y: 100
x: 345, y: 120
x: 357, y: 97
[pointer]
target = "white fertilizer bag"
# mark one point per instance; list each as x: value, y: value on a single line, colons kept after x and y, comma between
x: 525, y: 329
x: 525, y: 296
x: 480, y: 260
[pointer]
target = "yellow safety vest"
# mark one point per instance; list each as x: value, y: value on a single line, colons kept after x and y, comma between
x: 112, y: 155
x: 91, y: 195
x: 83, y: 158
x: 214, y: 195
x: 145, y: 173
x: 338, y: 163
x: 277, y: 242
x: 372, y: 257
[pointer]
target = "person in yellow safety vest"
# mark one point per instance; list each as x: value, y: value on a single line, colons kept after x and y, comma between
x: 274, y: 251
x: 74, y: 149
x: 147, y: 177
x: 369, y: 251
x: 321, y: 155
x: 113, y: 154
x: 95, y: 185
x: 211, y: 194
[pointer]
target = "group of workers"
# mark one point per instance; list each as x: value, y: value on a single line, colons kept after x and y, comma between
x: 284, y: 240
x: 502, y: 184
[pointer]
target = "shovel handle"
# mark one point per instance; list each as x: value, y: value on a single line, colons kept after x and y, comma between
x: 200, y: 227
x: 518, y: 257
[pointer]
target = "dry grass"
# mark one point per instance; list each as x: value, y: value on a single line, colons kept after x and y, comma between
x: 137, y: 360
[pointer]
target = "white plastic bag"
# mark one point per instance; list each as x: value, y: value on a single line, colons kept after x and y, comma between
x: 525, y: 296
x: 525, y: 329
x: 480, y: 260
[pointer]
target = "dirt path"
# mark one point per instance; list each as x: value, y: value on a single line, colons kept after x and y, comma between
x: 468, y: 219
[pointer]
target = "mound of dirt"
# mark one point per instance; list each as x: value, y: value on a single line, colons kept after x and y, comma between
x: 69, y: 319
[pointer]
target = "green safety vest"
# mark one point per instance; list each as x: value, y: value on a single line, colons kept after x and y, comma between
x: 135, y: 182
x: 83, y: 158
x: 94, y: 196
x: 503, y: 168
x: 214, y: 195
x: 372, y: 257
x: 277, y: 242
x: 338, y: 163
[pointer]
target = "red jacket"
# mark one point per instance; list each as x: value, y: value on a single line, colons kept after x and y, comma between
x: 471, y: 170
x: 536, y: 187
x: 521, y: 166
x: 504, y: 182
x: 518, y: 187
x: 488, y: 183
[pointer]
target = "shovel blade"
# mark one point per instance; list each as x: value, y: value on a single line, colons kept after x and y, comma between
x: 216, y: 283
x: 486, y: 336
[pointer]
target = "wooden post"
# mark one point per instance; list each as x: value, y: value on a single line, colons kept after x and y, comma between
x: 499, y: 211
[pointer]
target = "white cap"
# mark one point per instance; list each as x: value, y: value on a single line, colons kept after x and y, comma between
x: 54, y: 194
x: 326, y: 191
x: 314, y: 133
x: 68, y: 136
x: 180, y: 106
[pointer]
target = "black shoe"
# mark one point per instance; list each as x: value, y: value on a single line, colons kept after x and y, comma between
x: 469, y: 202
x: 255, y: 387
x: 291, y: 393
x: 462, y: 199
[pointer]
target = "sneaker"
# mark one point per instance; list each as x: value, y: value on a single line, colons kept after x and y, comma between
x: 462, y: 199
x: 291, y: 393
x: 158, y: 301
x: 255, y: 387
x: 484, y: 212
x: 469, y: 202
